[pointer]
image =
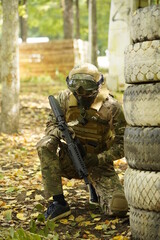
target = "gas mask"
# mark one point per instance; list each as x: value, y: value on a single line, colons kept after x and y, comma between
x: 84, y: 88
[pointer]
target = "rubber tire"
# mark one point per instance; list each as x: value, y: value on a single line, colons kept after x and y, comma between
x: 142, y: 105
x: 142, y: 147
x: 145, y: 24
x: 142, y: 62
x: 145, y: 225
x: 142, y: 189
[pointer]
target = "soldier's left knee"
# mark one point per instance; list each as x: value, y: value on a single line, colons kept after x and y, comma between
x: 48, y: 142
x: 119, y: 205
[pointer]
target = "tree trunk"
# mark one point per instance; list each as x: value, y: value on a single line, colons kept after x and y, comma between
x: 10, y: 67
x: 77, y: 20
x: 135, y: 4
x: 23, y: 22
x: 92, y: 32
x: 68, y: 19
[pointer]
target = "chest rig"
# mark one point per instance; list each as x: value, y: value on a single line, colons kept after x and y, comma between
x: 95, y: 133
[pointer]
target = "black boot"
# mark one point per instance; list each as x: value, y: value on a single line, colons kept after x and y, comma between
x: 58, y: 209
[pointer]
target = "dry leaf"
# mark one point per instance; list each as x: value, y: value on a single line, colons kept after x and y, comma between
x: 21, y: 216
x: 34, y: 215
x: 38, y: 197
x: 114, y: 221
x: 98, y: 227
x: 71, y: 218
x: 113, y: 226
x: 64, y: 221
x: 97, y: 219
x: 29, y: 193
x: 120, y: 238
x: 2, y: 203
x: 80, y: 218
x: 107, y: 222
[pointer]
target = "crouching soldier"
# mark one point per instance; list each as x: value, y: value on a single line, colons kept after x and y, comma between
x: 97, y: 120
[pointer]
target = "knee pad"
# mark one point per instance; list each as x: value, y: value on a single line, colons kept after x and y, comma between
x: 48, y: 142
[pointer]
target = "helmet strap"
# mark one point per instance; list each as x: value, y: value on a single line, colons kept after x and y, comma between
x: 67, y: 79
x: 100, y: 81
x: 83, y: 116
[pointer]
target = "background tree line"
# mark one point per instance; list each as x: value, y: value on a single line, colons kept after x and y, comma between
x: 49, y: 18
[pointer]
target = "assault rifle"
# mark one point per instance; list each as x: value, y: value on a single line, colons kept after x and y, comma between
x: 72, y: 145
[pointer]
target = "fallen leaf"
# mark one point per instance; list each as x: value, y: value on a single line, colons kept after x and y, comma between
x: 38, y: 197
x: 71, y: 218
x: 94, y: 215
x: 77, y: 234
x: 120, y: 237
x: 34, y: 215
x: 97, y: 219
x: 70, y: 184
x: 86, y: 223
x: 79, y: 218
x: 2, y: 203
x: 29, y: 193
x: 64, y: 221
x: 21, y: 216
x: 114, y: 221
x: 98, y: 227
x: 85, y: 236
x: 113, y: 226
x: 107, y: 222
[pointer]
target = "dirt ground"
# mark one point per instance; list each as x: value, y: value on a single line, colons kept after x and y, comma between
x: 22, y: 200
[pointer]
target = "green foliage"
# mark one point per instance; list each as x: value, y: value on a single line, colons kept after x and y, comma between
x: 38, y: 230
x: 59, y: 79
x: 42, y: 79
x: 103, y: 14
x: 22, y: 10
x: 45, y: 18
x: 22, y: 234
x: 83, y: 12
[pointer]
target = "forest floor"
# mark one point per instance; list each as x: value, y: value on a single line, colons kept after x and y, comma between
x: 22, y: 201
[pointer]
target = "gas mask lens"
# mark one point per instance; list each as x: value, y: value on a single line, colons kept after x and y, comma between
x: 87, y: 85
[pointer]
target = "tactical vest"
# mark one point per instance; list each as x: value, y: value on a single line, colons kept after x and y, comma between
x: 96, y: 135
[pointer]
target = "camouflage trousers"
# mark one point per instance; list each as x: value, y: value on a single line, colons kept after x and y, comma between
x: 55, y: 163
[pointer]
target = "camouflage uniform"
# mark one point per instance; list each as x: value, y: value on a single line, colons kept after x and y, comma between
x: 102, y: 138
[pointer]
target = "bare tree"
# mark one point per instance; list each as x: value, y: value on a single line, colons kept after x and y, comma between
x: 10, y: 67
x: 68, y: 19
x: 92, y: 32
x: 77, y: 19
x: 23, y: 21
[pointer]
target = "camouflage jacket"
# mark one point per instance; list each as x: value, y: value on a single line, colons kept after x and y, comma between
x: 105, y: 128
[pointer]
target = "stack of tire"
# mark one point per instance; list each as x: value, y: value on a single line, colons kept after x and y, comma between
x: 142, y: 134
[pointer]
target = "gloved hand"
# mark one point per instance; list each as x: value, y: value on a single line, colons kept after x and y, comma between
x: 59, y: 134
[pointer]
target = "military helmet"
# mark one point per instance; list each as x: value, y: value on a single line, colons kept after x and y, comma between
x: 84, y: 79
